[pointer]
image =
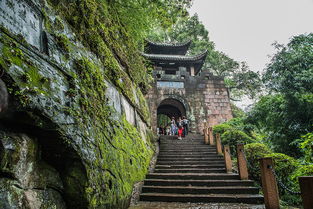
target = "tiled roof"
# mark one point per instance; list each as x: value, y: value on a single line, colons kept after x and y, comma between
x: 182, y: 58
x: 182, y: 44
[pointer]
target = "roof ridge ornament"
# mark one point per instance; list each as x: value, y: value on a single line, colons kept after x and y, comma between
x: 169, y: 44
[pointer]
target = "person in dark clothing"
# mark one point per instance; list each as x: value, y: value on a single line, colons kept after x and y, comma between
x: 185, y: 126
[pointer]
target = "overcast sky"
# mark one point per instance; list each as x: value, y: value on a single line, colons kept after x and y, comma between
x: 245, y: 29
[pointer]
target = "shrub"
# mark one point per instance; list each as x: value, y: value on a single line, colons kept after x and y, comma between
x: 232, y: 137
x: 302, y: 170
x: 221, y: 128
x: 285, y: 166
x: 254, y: 152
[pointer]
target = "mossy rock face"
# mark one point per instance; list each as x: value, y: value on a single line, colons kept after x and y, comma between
x: 81, y: 148
x: 12, y: 196
x: 27, y: 181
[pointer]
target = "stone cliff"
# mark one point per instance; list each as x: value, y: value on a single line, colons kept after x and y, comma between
x: 76, y: 132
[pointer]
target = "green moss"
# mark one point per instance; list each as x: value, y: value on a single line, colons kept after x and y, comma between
x: 48, y: 24
x: 63, y: 42
x: 121, y: 155
x: 120, y: 145
x: 31, y: 82
x: 58, y: 23
x: 102, y: 33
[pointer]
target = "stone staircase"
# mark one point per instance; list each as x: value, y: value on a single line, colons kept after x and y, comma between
x: 189, y: 171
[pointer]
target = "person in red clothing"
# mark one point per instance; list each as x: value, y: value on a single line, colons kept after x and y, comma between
x: 180, y: 132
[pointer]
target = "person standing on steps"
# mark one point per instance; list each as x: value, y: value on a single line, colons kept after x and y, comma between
x: 173, y: 127
x: 179, y: 122
x: 168, y: 130
x: 180, y: 132
x: 185, y: 126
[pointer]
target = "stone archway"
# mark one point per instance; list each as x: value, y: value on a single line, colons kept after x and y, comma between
x: 172, y: 108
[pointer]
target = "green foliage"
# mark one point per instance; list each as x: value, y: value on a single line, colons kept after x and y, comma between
x: 272, y: 116
x: 285, y: 166
x: 243, y: 81
x: 110, y: 146
x: 282, y: 120
x: 114, y: 30
x: 237, y: 112
x: 287, y: 113
x: 302, y: 170
x: 307, y: 147
x: 291, y: 69
x: 237, y: 124
x: 163, y: 120
x: 254, y: 152
x: 232, y: 137
x: 221, y: 128
x: 140, y: 16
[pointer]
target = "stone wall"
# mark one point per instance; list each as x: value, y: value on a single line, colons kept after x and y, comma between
x: 76, y: 133
x: 204, y: 96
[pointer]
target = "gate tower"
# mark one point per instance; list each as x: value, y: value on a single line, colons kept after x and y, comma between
x: 181, y: 87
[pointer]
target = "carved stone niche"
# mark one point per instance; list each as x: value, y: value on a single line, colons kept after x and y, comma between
x: 24, y: 18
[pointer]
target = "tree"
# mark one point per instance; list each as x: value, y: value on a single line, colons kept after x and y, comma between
x: 243, y: 81
x: 291, y: 69
x: 287, y: 112
x: 139, y: 17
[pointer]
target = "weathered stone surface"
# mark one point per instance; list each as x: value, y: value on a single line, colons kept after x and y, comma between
x: 73, y: 137
x: 24, y: 18
x: 4, y: 97
x: 26, y: 181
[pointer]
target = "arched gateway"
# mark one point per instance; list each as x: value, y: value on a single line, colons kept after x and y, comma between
x: 182, y: 88
x: 171, y: 108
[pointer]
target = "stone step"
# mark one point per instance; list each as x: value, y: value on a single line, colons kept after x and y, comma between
x: 207, y: 183
x: 196, y: 153
x: 190, y: 170
x: 193, y: 176
x: 194, y: 158
x: 194, y: 166
x: 187, y: 145
x: 227, y: 198
x: 188, y: 162
x: 176, y: 141
x: 182, y: 157
x: 183, y: 142
x: 188, y: 154
x: 200, y: 190
x: 180, y: 151
x: 190, y: 159
x: 186, y: 149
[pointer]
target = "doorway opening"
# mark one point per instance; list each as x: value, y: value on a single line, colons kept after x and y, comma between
x: 167, y: 109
